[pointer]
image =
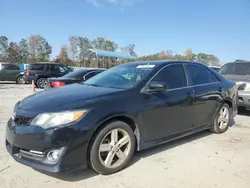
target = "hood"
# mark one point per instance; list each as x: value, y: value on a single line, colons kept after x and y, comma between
x: 238, y: 78
x: 64, y: 98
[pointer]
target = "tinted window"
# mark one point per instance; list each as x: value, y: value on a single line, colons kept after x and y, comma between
x: 198, y: 74
x: 76, y: 74
x: 90, y: 75
x: 213, y: 77
x: 10, y: 67
x: 174, y: 76
x: 62, y: 69
x: 38, y: 67
x: 54, y: 68
x: 236, y: 69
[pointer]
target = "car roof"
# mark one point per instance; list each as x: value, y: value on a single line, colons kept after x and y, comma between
x: 88, y: 70
x: 46, y: 63
x: 162, y: 62
x: 239, y: 61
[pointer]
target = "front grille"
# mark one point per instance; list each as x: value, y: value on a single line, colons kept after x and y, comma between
x: 242, y: 86
x: 22, y: 120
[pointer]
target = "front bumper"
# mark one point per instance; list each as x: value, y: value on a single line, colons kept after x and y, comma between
x: 244, y: 99
x: 22, y: 141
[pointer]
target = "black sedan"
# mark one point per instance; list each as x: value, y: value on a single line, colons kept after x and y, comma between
x: 76, y: 76
x: 101, y: 123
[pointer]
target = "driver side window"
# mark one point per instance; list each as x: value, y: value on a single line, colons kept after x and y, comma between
x: 173, y: 75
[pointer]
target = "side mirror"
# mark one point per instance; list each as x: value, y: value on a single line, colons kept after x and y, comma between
x: 157, y: 86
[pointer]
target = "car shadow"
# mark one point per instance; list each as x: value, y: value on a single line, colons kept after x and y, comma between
x: 243, y: 111
x: 168, y: 146
x: 85, y: 174
x: 8, y: 82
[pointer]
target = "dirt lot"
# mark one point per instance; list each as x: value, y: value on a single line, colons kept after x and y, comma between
x: 202, y: 160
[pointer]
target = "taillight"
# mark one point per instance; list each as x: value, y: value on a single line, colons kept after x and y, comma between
x: 57, y: 84
x: 27, y: 73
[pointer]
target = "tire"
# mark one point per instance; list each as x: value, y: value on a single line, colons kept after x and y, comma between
x: 99, y: 159
x: 42, y: 83
x: 221, y: 121
x: 20, y: 80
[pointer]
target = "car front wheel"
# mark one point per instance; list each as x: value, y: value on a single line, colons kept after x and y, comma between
x: 112, y: 148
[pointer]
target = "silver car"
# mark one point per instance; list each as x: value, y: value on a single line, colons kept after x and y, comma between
x: 239, y: 72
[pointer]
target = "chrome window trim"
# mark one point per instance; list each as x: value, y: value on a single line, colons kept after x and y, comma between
x: 188, y: 84
x: 89, y: 73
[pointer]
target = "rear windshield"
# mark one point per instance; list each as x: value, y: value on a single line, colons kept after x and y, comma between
x: 236, y: 69
x: 37, y: 66
x: 75, y: 74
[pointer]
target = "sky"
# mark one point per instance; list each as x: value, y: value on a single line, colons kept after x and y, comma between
x: 219, y: 27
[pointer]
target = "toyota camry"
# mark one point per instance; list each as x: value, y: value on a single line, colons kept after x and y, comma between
x: 131, y: 107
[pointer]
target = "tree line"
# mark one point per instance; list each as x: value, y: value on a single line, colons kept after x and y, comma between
x: 207, y: 59
x: 37, y: 49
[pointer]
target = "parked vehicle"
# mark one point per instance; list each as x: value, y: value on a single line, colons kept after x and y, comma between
x: 127, y: 108
x: 76, y: 76
x: 39, y: 72
x: 239, y: 72
x: 11, y: 72
x: 216, y: 68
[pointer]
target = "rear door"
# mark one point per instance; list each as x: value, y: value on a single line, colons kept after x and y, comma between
x: 207, y: 92
x: 34, y: 70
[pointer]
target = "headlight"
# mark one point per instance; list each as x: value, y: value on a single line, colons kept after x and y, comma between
x: 47, y: 120
x: 247, y: 88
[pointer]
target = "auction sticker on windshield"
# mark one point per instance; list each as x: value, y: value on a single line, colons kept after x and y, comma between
x: 145, y: 66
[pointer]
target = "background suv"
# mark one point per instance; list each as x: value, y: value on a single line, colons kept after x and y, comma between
x: 11, y: 72
x: 39, y: 72
x: 239, y: 72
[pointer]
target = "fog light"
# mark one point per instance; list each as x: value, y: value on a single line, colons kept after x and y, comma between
x: 53, y: 155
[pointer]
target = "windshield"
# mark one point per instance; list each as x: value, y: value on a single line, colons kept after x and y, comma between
x: 75, y: 74
x: 236, y: 69
x: 122, y: 77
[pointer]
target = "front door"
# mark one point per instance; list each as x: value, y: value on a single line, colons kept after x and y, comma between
x: 57, y: 70
x: 168, y: 113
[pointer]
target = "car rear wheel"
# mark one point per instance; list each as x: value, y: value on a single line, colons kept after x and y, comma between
x: 222, y: 119
x: 20, y: 80
x: 112, y: 148
x: 42, y: 83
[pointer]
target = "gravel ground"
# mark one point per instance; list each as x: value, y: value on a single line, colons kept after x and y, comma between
x: 201, y: 160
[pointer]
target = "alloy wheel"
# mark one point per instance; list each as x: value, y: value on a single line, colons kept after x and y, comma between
x: 114, y: 148
x: 223, y: 118
x: 20, y: 80
x: 42, y: 83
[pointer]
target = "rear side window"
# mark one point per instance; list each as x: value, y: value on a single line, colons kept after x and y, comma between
x: 213, y: 77
x: 37, y: 67
x: 173, y: 75
x: 198, y: 74
x: 90, y: 75
x: 10, y: 67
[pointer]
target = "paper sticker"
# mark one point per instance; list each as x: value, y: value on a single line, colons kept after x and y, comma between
x: 145, y: 66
